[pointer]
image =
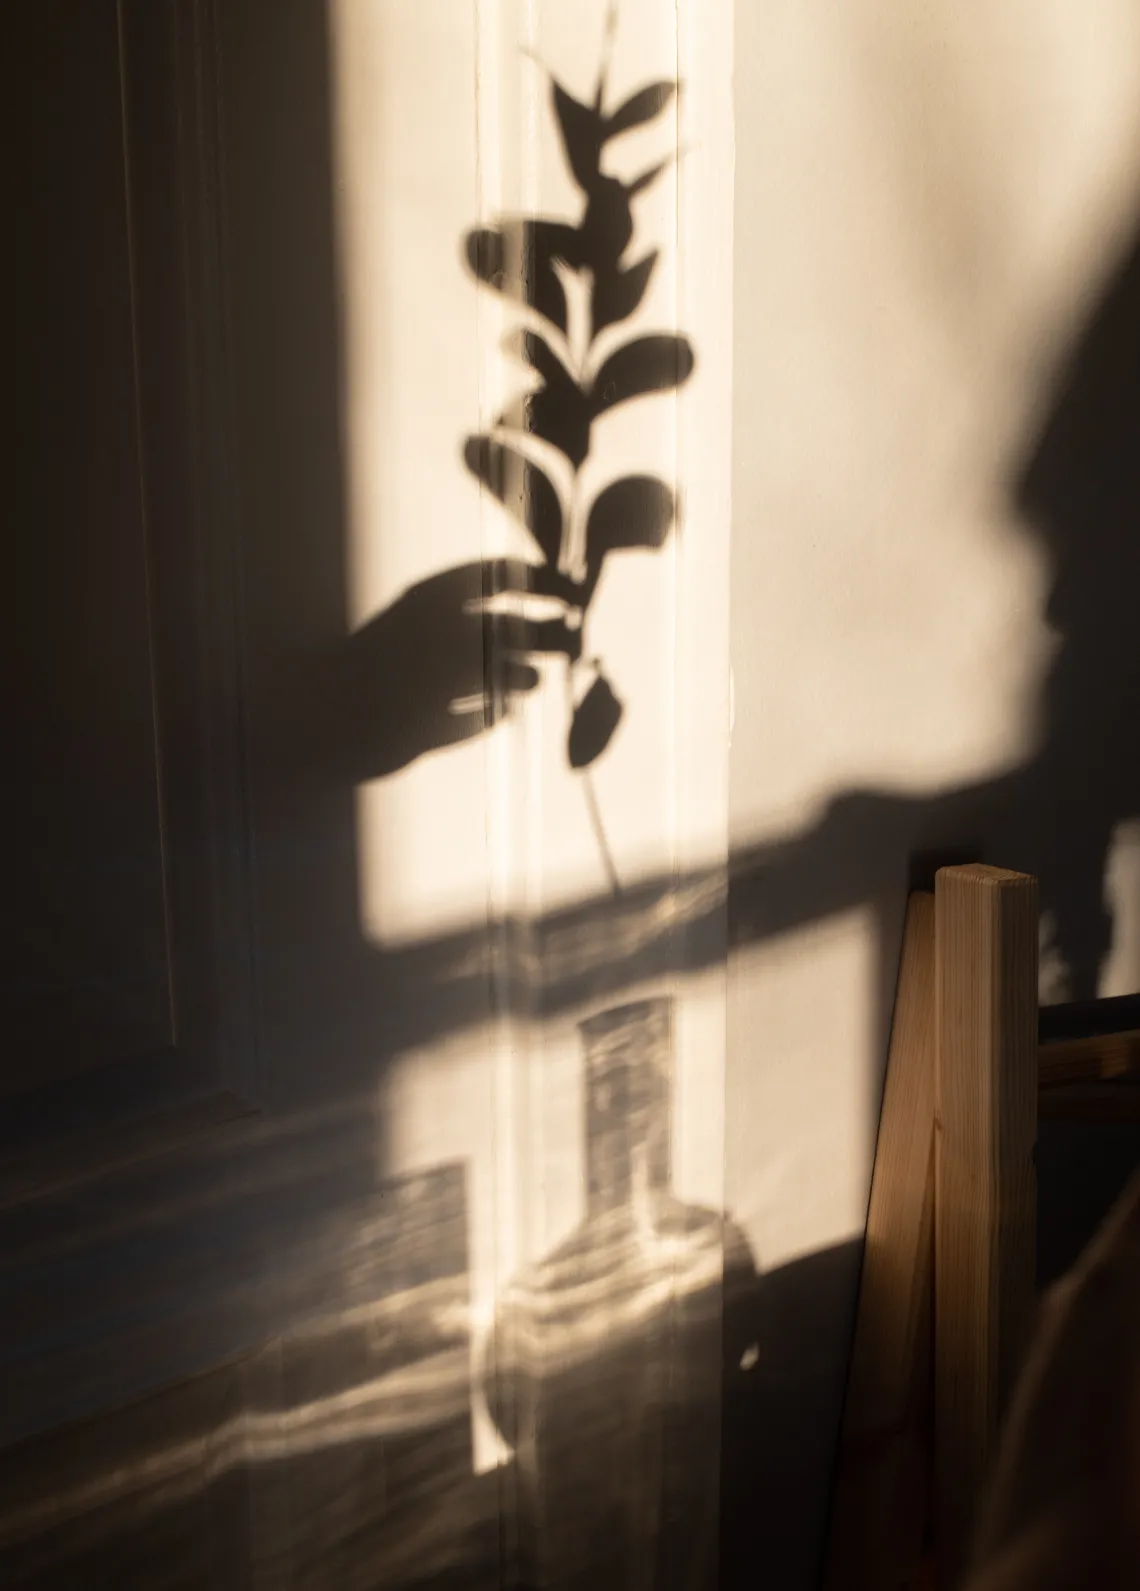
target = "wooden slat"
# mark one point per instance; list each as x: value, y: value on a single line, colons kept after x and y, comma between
x: 1100, y: 1058
x: 985, y: 1196
x: 879, y: 1503
x: 1107, y: 1102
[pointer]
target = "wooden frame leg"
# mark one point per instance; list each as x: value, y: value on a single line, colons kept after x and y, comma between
x: 985, y: 1190
x: 880, y: 1496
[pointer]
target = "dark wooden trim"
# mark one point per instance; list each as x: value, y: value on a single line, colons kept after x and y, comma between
x: 118, y: 1305
x: 175, y: 168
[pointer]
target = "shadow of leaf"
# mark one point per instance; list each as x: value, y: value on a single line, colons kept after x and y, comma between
x: 647, y: 364
x: 583, y: 131
x: 636, y: 511
x: 517, y: 259
x: 559, y: 413
x: 596, y: 717
x: 640, y: 108
x: 524, y: 490
x: 533, y: 349
x: 617, y: 293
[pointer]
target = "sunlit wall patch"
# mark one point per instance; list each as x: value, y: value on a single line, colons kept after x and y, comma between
x: 451, y: 145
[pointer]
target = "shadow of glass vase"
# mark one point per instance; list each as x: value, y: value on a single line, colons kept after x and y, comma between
x: 606, y: 1366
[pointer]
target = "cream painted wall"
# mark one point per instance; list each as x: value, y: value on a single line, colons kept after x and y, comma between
x: 927, y: 199
x: 443, y: 122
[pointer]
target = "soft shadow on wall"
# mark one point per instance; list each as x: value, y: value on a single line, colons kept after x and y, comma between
x: 1056, y: 816
x: 1079, y: 490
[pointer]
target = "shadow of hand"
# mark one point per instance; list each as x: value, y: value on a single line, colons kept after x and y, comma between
x: 445, y: 662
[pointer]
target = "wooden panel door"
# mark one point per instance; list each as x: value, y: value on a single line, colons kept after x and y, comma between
x: 116, y: 837
x: 125, y: 940
x: 85, y: 959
